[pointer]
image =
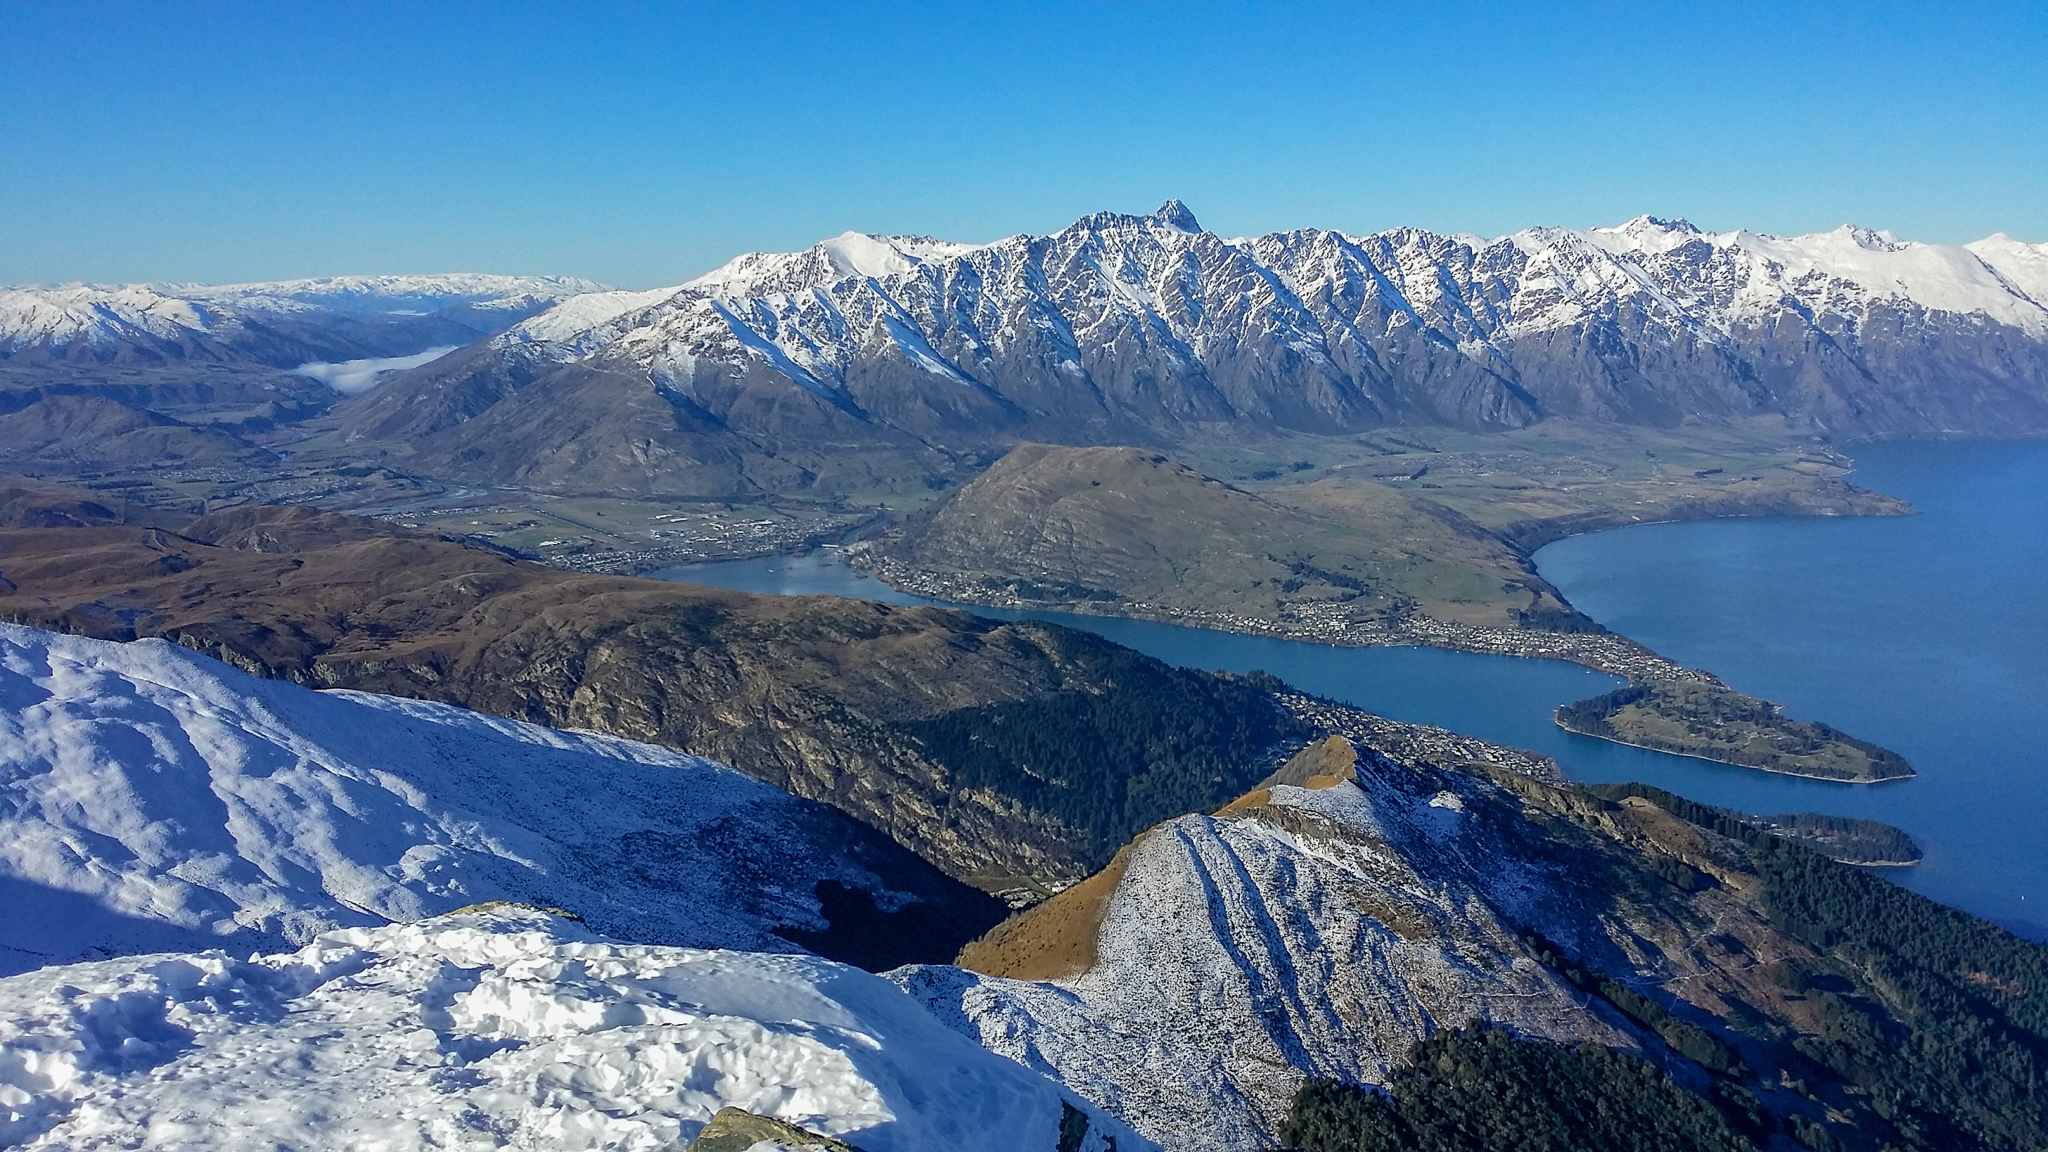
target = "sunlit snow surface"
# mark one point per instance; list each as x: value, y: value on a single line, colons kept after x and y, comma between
x: 2024, y: 265
x: 96, y: 316
x: 104, y: 316
x: 959, y: 310
x: 152, y: 798
x: 508, y: 1029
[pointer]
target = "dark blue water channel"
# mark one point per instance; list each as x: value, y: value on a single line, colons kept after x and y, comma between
x: 1923, y: 633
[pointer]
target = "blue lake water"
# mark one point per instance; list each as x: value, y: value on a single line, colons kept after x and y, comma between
x: 1927, y: 634
x: 1922, y: 633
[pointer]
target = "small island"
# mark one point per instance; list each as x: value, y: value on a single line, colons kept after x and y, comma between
x: 1709, y: 721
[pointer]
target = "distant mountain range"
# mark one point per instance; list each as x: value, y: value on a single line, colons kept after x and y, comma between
x: 281, y: 324
x: 869, y: 357
x: 874, y: 363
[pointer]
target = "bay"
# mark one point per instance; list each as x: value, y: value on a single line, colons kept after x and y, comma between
x: 1927, y: 634
x: 1922, y: 633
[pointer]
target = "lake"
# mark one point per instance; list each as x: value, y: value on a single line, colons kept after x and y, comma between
x: 1927, y: 634
x: 1921, y: 633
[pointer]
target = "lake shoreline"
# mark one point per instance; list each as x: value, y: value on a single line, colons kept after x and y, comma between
x: 1608, y: 652
x: 1605, y: 651
x: 1734, y: 764
x: 1784, y: 606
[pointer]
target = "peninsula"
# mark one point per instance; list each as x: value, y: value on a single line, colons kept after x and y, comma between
x: 1344, y: 561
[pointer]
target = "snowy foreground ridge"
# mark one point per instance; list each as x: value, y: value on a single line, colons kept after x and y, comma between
x: 500, y: 1029
x: 154, y: 799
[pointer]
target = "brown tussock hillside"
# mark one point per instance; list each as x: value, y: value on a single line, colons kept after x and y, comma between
x: 1056, y: 939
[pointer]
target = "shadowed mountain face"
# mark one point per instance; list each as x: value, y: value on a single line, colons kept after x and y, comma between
x: 871, y: 356
x: 1009, y: 754
x: 95, y: 432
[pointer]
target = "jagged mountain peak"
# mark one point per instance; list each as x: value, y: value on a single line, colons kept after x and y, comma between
x: 1148, y: 330
x: 1645, y: 234
x: 1873, y: 239
x: 1648, y: 223
x: 1175, y: 214
x: 1171, y: 217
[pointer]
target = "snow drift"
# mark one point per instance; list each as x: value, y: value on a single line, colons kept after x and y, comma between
x: 507, y: 1028
x: 155, y: 799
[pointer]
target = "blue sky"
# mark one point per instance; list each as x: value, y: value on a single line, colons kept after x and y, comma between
x: 643, y: 143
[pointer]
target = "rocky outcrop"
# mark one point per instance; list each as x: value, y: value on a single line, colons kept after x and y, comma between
x: 738, y: 1130
x: 1304, y: 931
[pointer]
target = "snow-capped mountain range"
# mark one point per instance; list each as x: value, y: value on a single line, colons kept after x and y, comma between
x: 273, y: 323
x: 1148, y: 329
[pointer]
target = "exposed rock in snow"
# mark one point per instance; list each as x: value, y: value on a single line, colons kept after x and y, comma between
x: 152, y: 798
x: 2023, y: 265
x: 738, y: 1130
x: 1304, y: 931
x: 500, y: 1029
x: 1165, y: 327
x: 872, y: 361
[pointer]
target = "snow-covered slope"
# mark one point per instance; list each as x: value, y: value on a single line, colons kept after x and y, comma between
x: 2023, y: 265
x: 1314, y: 931
x: 505, y: 1029
x: 1142, y: 327
x: 391, y: 294
x: 102, y: 318
x: 153, y: 798
x: 269, y: 323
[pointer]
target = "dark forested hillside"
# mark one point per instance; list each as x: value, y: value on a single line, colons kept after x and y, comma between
x: 1160, y: 743
x: 1482, y: 1090
x: 1936, y: 1018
